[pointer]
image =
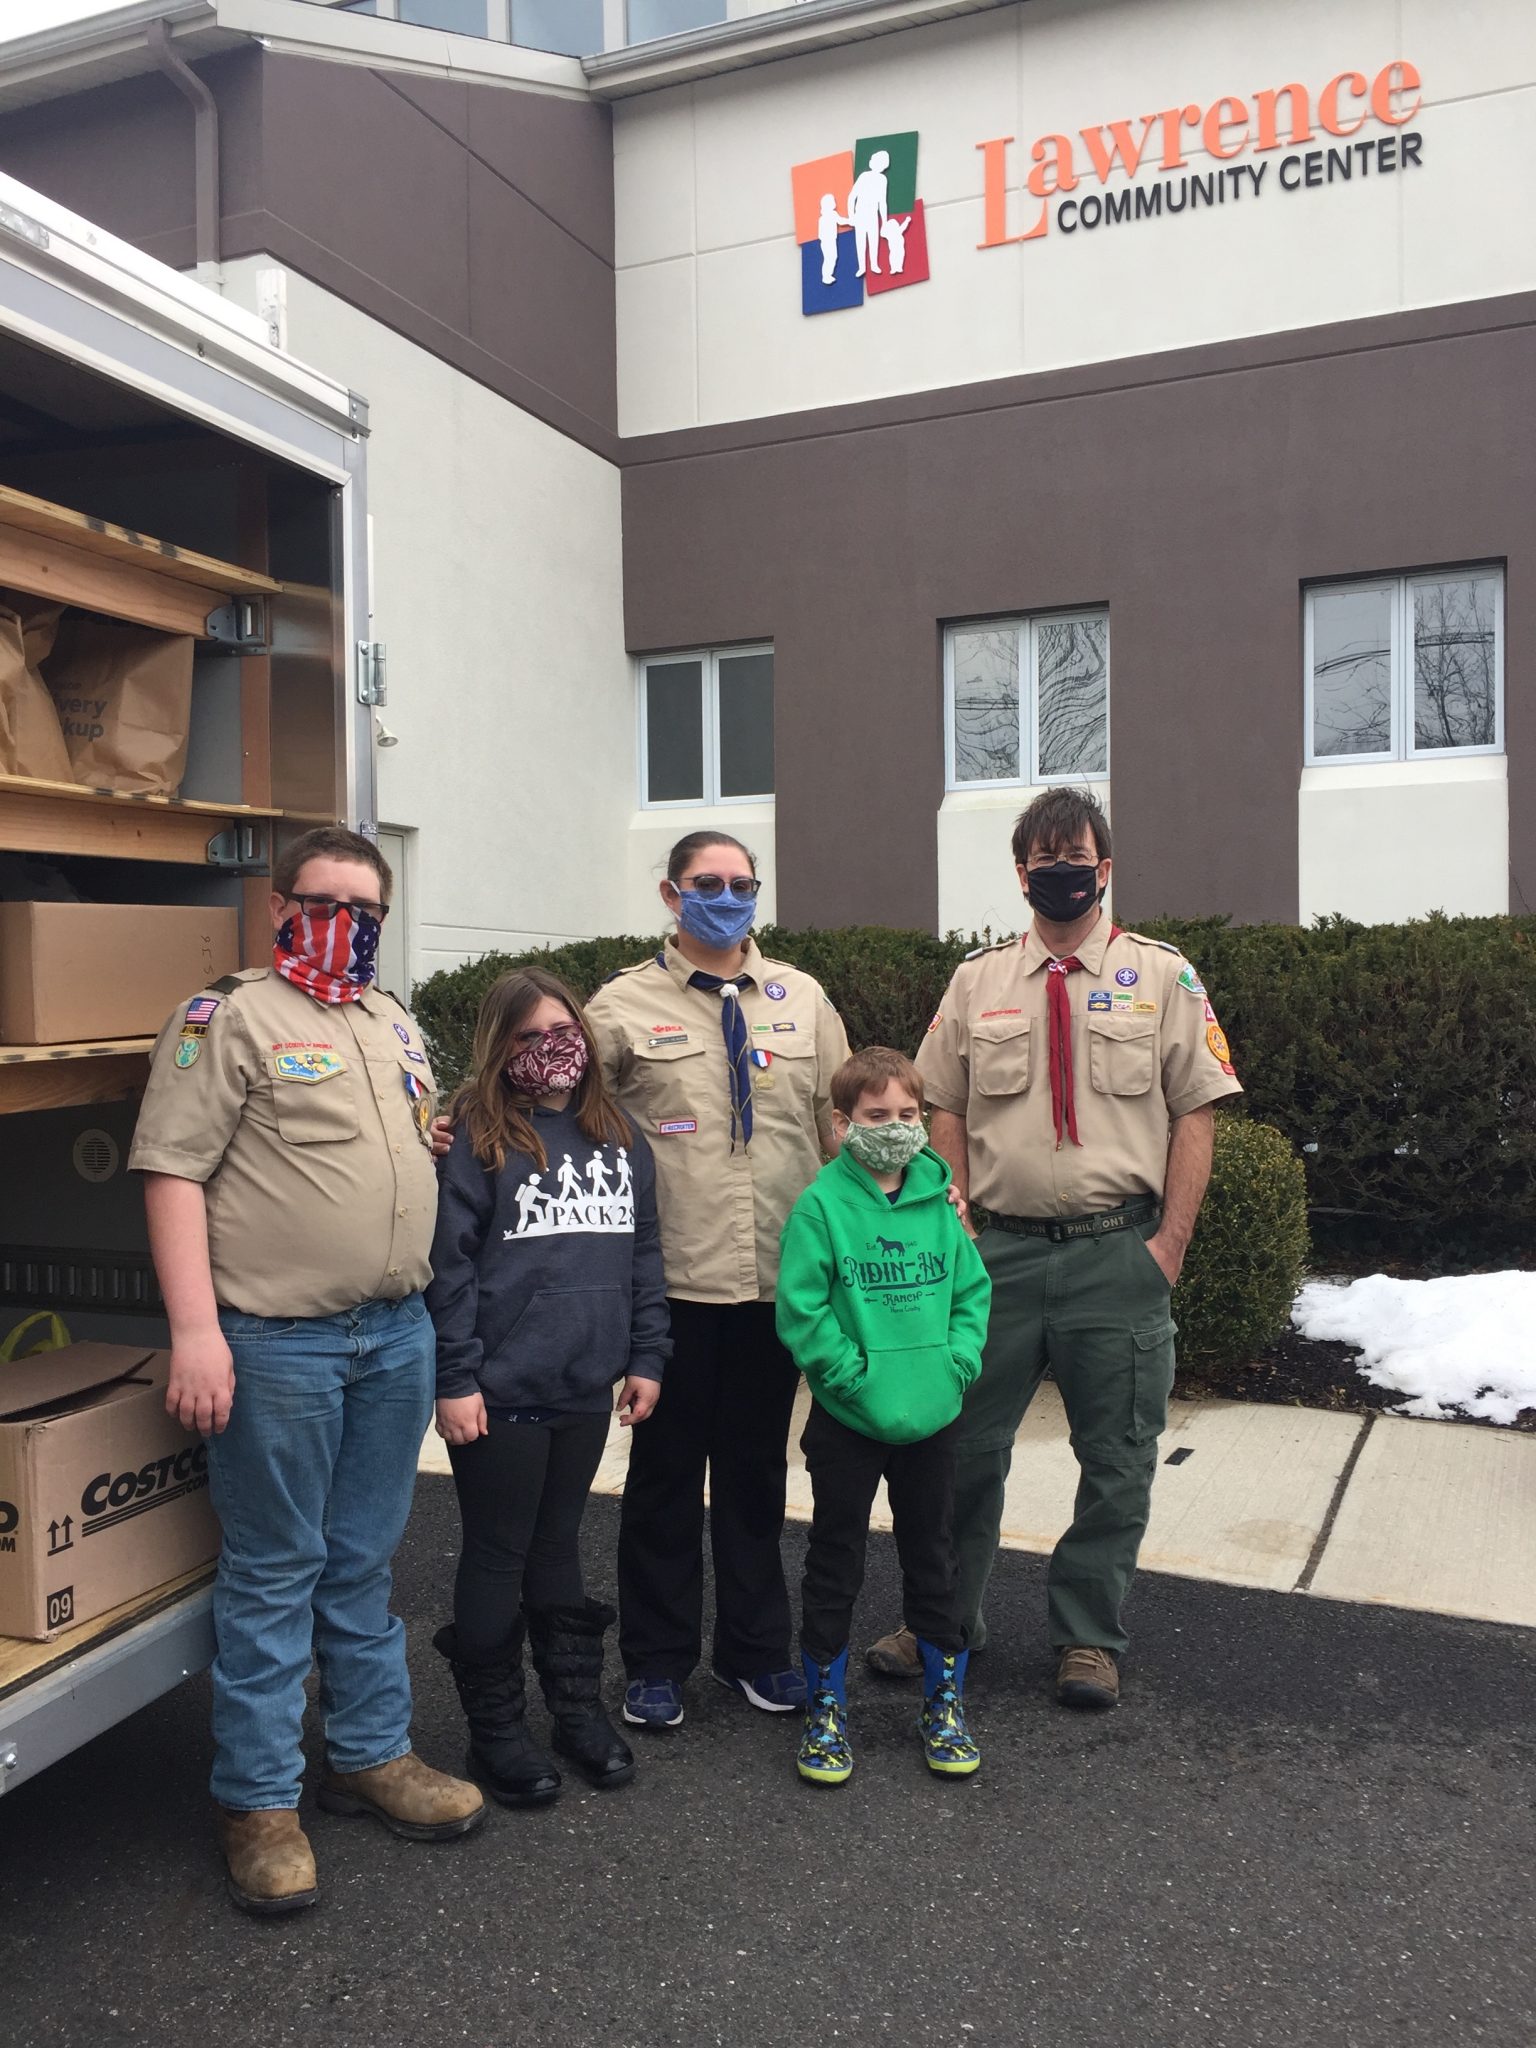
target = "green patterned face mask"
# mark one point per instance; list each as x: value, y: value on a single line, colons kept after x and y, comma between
x: 885, y: 1148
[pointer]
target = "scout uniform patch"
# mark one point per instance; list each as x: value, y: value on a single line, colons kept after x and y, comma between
x: 188, y: 1046
x: 313, y: 1063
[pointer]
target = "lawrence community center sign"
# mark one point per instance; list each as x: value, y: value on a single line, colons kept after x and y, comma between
x: 860, y: 225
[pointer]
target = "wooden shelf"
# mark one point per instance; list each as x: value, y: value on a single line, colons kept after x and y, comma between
x: 64, y: 817
x: 51, y: 552
x: 22, y: 1660
x: 36, y: 1077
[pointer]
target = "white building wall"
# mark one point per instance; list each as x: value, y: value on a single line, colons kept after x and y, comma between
x: 1395, y: 839
x: 497, y: 585
x: 710, y: 326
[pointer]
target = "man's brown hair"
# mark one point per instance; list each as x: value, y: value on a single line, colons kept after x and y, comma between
x: 497, y: 1116
x: 871, y: 1072
x: 329, y: 842
x: 1056, y: 821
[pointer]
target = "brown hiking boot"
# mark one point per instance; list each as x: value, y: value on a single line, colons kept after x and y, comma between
x: 408, y: 1796
x: 896, y: 1655
x: 1087, y: 1677
x: 271, y: 1865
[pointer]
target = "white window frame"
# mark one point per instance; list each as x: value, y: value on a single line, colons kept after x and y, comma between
x: 1400, y: 657
x: 1027, y: 626
x: 709, y: 659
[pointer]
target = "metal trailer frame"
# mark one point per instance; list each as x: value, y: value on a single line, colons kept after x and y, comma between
x: 77, y: 292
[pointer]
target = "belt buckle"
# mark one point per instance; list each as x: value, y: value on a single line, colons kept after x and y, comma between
x: 1056, y: 1231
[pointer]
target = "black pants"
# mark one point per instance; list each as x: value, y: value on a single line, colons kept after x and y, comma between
x: 522, y: 1491
x: 726, y: 1404
x: 845, y: 1470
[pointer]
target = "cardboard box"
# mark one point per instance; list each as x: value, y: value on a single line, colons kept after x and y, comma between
x: 102, y: 1495
x: 106, y: 970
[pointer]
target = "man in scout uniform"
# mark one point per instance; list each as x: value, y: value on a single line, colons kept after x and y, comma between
x: 291, y: 1199
x: 1072, y: 1078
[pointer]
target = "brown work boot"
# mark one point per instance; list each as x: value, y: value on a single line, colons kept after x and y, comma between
x: 896, y: 1655
x: 408, y: 1796
x: 271, y: 1865
x: 1087, y: 1677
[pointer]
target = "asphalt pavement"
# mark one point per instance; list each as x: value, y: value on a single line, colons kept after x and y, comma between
x: 1308, y: 1823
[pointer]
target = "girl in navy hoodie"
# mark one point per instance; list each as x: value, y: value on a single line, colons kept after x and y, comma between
x: 547, y: 1291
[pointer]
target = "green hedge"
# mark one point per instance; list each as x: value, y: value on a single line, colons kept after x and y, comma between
x: 1400, y: 1060
x: 1249, y: 1250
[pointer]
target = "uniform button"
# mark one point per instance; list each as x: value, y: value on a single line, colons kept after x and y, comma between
x: 397, y: 1148
x: 399, y: 1212
x: 394, y: 1272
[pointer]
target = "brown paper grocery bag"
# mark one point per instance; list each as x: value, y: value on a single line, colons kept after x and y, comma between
x: 31, y: 741
x: 124, y: 697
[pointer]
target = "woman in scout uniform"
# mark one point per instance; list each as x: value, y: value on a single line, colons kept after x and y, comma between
x: 291, y: 1197
x: 725, y: 1061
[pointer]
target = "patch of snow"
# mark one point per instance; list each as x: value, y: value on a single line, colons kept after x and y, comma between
x: 1463, y: 1345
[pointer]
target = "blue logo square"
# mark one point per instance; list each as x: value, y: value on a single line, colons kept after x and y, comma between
x: 846, y: 288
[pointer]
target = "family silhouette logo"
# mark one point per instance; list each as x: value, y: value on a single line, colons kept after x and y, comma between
x: 859, y: 223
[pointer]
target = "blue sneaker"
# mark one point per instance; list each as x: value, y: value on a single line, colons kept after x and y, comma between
x: 776, y: 1692
x: 653, y: 1703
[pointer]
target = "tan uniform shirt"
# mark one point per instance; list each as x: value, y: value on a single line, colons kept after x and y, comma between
x: 1146, y: 1047
x: 662, y: 1045
x: 302, y: 1121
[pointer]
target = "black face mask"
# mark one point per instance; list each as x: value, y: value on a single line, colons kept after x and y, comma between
x: 1062, y: 893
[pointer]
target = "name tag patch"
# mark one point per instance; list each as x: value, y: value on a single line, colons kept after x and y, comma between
x: 677, y: 1126
x: 992, y: 1013
x: 669, y: 1038
x: 314, y: 1063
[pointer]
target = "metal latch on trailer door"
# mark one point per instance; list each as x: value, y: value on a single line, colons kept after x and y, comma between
x: 372, y: 672
x: 241, y: 847
x: 239, y: 627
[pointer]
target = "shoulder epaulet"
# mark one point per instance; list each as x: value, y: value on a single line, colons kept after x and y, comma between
x: 1142, y: 940
x: 997, y: 946
x: 635, y: 967
x: 228, y: 983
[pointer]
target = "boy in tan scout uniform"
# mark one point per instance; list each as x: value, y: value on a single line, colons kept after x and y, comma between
x: 291, y: 1199
x: 1072, y: 1078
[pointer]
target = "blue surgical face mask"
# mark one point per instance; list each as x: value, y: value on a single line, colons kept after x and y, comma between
x: 719, y: 922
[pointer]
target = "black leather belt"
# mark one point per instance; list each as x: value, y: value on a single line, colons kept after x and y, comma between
x: 1059, y: 1228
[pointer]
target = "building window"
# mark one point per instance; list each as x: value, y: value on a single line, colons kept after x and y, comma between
x: 1399, y: 667
x: 459, y: 17
x: 1027, y: 700
x: 569, y: 28
x: 646, y: 20
x: 706, y: 727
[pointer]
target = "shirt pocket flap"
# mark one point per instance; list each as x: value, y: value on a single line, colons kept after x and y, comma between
x: 1000, y: 1055
x: 1122, y: 1054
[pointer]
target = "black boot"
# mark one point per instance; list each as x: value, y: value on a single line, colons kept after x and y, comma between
x: 503, y: 1756
x: 567, y: 1646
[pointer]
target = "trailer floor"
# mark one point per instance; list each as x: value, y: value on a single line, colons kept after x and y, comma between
x: 1310, y: 1823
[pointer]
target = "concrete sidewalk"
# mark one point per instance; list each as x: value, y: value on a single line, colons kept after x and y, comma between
x: 1439, y: 1516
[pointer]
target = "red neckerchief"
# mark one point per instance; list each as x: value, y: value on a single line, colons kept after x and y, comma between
x: 1063, y: 1102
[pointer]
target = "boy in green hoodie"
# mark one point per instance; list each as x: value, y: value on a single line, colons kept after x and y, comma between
x: 882, y: 1303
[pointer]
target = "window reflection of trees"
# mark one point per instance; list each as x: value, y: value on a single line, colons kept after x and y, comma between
x: 1454, y: 701
x: 1070, y: 665
x: 986, y: 682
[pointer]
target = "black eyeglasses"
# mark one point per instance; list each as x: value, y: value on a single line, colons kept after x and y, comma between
x: 742, y: 887
x: 324, y: 908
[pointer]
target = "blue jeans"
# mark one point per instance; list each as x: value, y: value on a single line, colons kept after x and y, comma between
x: 312, y: 1484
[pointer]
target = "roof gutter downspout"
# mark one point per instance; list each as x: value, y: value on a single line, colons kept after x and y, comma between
x: 205, y: 135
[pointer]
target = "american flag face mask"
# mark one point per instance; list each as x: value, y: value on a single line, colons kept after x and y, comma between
x: 332, y: 959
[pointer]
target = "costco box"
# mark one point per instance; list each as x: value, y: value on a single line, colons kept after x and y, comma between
x: 102, y: 1495
x: 106, y: 970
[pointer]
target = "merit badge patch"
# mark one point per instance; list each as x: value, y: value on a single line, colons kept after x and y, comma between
x: 200, y: 1011
x: 1127, y: 976
x: 677, y: 1126
x: 187, y: 1049
x: 1098, y: 999
x: 1190, y: 980
x: 1216, y: 1039
x: 775, y: 991
x: 315, y: 1063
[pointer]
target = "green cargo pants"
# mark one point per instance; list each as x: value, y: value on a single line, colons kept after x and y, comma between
x: 1094, y: 1309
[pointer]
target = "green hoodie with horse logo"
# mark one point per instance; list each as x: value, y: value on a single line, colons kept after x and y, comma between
x: 883, y: 1304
